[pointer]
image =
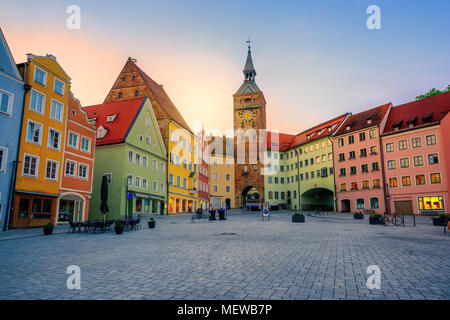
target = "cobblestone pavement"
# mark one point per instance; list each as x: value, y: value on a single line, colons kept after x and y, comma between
x: 241, y: 258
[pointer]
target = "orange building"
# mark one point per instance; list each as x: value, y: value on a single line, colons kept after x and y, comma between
x: 41, y: 142
x: 78, y: 164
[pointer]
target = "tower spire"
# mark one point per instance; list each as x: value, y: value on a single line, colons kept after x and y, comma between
x: 249, y: 69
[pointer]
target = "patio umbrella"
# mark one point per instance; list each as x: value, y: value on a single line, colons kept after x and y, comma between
x: 104, y: 196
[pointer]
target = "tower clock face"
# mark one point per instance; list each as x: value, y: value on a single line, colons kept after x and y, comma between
x: 247, y: 116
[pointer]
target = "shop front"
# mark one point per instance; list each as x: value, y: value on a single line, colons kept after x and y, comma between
x: 71, y: 208
x: 34, y: 209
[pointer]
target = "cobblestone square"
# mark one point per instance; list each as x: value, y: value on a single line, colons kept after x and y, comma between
x: 241, y: 258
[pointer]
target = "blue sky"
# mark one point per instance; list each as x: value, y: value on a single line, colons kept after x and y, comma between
x: 314, y: 59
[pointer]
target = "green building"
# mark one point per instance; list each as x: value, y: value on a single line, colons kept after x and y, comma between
x: 130, y: 152
x: 299, y: 169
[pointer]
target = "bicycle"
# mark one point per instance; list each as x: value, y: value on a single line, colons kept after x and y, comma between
x: 392, y: 219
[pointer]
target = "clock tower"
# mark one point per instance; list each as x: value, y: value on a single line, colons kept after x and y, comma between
x: 249, y: 108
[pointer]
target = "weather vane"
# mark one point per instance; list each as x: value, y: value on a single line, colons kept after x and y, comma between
x: 249, y: 41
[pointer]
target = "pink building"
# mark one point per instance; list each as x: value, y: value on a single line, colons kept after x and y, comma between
x: 415, y: 157
x: 358, y: 161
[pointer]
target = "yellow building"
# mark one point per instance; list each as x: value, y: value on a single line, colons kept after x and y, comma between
x: 221, y: 181
x: 182, y: 170
x: 42, y: 141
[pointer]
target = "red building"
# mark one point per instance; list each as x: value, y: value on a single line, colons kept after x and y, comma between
x: 77, y: 165
x: 203, y: 172
x: 416, y: 156
x: 358, y: 162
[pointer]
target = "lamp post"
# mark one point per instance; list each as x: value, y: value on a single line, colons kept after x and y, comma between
x: 298, y: 182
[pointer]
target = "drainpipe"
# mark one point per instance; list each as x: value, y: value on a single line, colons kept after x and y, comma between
x: 334, y: 176
x: 12, y: 186
x: 298, y: 181
x: 383, y: 174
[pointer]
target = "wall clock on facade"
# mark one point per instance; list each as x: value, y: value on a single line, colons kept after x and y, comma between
x: 247, y: 116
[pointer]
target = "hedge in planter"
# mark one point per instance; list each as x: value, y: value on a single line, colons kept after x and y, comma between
x: 48, y: 229
x: 151, y: 223
x: 358, y: 215
x: 118, y: 227
x: 441, y: 220
x: 375, y: 218
x: 298, y: 217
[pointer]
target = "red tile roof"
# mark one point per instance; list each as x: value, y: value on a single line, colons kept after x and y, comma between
x: 317, y: 132
x: 283, y: 142
x: 360, y: 120
x: 126, y: 112
x: 418, y: 113
x: 163, y: 99
x: 288, y: 141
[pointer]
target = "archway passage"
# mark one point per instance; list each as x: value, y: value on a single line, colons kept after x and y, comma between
x: 71, y: 208
x: 250, y: 198
x: 318, y: 199
x: 345, y: 205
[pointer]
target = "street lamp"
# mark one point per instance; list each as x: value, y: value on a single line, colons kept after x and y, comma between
x: 298, y: 182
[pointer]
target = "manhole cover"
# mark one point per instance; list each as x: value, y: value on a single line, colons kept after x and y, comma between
x: 224, y: 234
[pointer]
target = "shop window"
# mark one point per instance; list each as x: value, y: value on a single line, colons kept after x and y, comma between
x: 431, y: 203
x: 24, y: 205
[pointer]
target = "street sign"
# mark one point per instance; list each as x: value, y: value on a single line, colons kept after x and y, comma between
x: 266, y: 212
x: 130, y: 195
x: 266, y: 205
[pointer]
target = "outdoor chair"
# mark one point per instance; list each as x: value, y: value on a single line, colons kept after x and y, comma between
x: 87, y: 226
x: 72, y: 227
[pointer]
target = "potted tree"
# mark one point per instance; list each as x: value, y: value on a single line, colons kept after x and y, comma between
x: 440, y: 220
x: 151, y: 223
x: 118, y: 227
x: 375, y: 218
x: 358, y: 215
x: 298, y: 217
x: 48, y: 229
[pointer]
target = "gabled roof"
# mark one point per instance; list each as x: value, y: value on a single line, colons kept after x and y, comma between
x: 364, y: 119
x: 161, y: 96
x: 117, y: 131
x: 7, y: 63
x: 419, y: 113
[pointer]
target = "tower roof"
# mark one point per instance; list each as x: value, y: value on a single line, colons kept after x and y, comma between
x: 249, y: 85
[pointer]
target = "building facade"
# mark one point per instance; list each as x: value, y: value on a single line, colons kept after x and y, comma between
x: 303, y: 165
x: 221, y: 181
x: 131, y: 154
x: 203, y: 160
x: 42, y: 142
x: 249, y: 118
x: 133, y: 82
x: 182, y: 169
x: 358, y: 162
x: 415, y: 156
x: 12, y: 92
x: 78, y: 164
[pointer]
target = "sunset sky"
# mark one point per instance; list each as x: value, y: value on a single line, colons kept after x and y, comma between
x: 314, y: 59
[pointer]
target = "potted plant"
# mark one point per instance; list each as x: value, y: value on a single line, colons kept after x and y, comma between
x: 358, y: 215
x: 151, y: 223
x: 298, y: 217
x: 118, y: 227
x: 375, y: 218
x: 440, y: 220
x: 48, y: 229
x: 221, y: 214
x: 212, y: 214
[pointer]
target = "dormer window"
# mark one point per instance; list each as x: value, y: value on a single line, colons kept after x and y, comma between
x: 101, y: 132
x: 111, y: 118
x: 348, y: 128
x: 397, y: 126
x: 369, y: 121
x: 120, y: 95
x: 428, y: 118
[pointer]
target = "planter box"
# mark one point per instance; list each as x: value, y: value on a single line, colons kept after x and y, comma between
x: 151, y: 224
x: 118, y: 230
x: 221, y: 214
x: 48, y: 231
x: 358, y: 216
x: 375, y: 221
x: 298, y: 218
x: 213, y: 214
x: 439, y: 222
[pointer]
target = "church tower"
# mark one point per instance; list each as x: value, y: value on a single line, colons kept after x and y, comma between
x: 249, y: 117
